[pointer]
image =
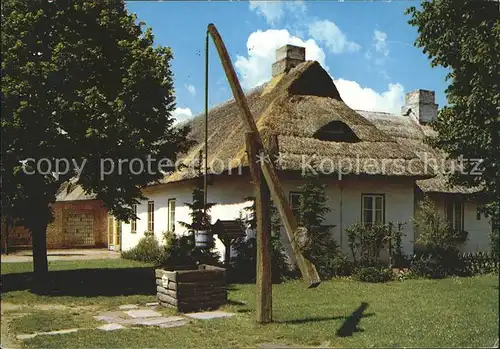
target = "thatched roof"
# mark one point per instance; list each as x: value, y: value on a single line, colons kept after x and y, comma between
x: 409, y: 132
x: 289, y: 110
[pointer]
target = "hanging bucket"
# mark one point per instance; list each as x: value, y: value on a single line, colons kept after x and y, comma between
x: 203, y: 238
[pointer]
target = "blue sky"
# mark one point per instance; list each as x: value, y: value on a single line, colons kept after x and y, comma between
x: 367, y: 47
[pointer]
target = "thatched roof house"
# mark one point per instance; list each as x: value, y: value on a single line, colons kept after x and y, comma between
x: 302, y: 118
x: 375, y: 165
x: 413, y: 134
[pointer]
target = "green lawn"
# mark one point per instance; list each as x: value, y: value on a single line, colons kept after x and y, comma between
x: 415, y: 313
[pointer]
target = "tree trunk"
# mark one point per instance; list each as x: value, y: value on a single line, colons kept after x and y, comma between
x: 7, y: 228
x: 39, y: 244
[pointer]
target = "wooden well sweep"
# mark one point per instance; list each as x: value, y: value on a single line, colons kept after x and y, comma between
x: 191, y: 288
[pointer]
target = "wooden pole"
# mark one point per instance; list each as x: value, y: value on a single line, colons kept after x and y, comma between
x: 262, y: 198
x: 307, y: 268
x: 205, y: 184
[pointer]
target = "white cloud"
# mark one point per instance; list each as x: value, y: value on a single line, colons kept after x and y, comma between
x: 379, y: 51
x: 191, y: 89
x: 255, y: 69
x: 298, y: 6
x: 271, y: 10
x: 365, y: 98
x: 334, y: 39
x: 381, y: 42
x: 182, y: 114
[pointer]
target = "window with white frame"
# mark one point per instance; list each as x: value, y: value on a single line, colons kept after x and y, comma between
x: 151, y: 216
x: 373, y: 208
x: 133, y: 223
x: 455, y: 214
x: 171, y: 215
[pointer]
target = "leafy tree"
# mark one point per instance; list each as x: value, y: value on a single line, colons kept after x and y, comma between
x: 321, y: 247
x: 245, y: 261
x: 464, y: 37
x: 81, y: 79
x: 200, y: 218
x: 434, y: 233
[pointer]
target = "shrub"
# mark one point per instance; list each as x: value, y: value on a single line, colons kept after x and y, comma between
x: 147, y: 250
x: 181, y: 250
x: 372, y: 274
x: 447, y: 263
x: 495, y: 243
x: 405, y: 274
x: 478, y: 263
x: 366, y: 242
x: 435, y: 234
x: 337, y: 266
x: 318, y: 244
x: 428, y: 266
x: 243, y: 264
x: 439, y: 263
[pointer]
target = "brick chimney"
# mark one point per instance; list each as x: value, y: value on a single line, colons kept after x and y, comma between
x: 288, y: 57
x: 420, y: 104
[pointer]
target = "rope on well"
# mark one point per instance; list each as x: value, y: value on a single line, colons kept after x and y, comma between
x: 205, y: 185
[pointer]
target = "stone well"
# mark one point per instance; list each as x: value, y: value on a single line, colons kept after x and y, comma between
x: 191, y: 288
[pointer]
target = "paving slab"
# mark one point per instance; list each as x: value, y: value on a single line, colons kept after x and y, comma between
x: 207, y: 315
x: 142, y: 313
x: 50, y: 333
x: 110, y: 327
x: 114, y: 314
x: 154, y: 321
x: 128, y: 306
x: 108, y: 319
x: 71, y: 330
x: 174, y: 324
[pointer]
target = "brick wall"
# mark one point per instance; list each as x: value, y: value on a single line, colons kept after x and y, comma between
x: 19, y: 236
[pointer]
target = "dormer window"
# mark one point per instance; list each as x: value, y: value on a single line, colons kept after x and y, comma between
x: 336, y: 131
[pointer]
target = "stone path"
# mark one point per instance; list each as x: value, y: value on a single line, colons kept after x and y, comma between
x: 208, y: 315
x: 132, y: 316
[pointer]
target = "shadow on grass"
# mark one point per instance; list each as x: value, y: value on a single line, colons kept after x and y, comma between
x: 349, y: 326
x: 87, y: 282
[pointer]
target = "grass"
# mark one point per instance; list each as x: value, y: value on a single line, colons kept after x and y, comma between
x: 104, y: 283
x: 27, y: 267
x: 340, y: 313
x: 45, y: 321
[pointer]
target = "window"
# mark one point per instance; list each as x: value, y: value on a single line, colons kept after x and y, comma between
x: 373, y: 208
x: 133, y: 223
x: 455, y: 214
x: 118, y: 232
x: 151, y: 216
x: 295, y: 204
x: 171, y: 215
x: 336, y: 131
